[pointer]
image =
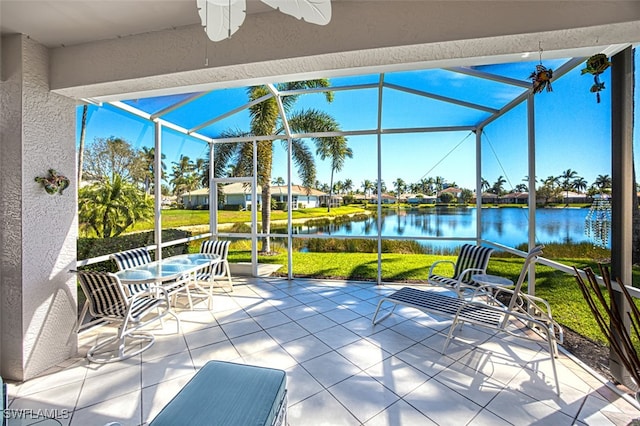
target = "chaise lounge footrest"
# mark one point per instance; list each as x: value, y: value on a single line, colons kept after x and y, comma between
x: 225, y: 393
x: 424, y: 300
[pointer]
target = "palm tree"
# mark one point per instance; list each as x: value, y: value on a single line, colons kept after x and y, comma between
x: 147, y: 158
x: 521, y: 187
x: 265, y: 120
x: 279, y: 182
x: 336, y: 149
x: 602, y: 182
x: 400, y: 185
x: 112, y: 206
x: 83, y: 132
x: 567, y: 178
x: 498, y: 185
x: 367, y: 187
x: 383, y: 187
x: 484, y: 184
x: 580, y: 184
x: 180, y: 175
x: 348, y: 185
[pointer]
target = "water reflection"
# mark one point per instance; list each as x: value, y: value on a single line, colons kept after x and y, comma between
x: 509, y: 226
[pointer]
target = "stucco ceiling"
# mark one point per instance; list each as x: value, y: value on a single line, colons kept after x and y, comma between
x: 55, y: 23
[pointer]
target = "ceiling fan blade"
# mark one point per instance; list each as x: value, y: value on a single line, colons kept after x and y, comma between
x: 221, y: 18
x: 312, y: 11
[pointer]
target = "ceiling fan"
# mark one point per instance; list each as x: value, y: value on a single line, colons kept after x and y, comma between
x: 222, y: 18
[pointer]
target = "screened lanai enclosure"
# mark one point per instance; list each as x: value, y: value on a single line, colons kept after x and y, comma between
x: 404, y: 162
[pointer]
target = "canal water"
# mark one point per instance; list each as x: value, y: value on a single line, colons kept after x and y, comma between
x: 508, y: 226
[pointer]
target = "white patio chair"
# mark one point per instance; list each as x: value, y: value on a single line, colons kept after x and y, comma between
x: 471, y: 260
x: 108, y: 300
x: 521, y: 315
x: 219, y: 270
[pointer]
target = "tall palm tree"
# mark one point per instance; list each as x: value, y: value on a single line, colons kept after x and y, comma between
x: 498, y: 185
x: 348, y: 185
x: 181, y: 173
x: 580, y: 184
x: 383, y: 187
x: 336, y: 150
x: 521, y: 187
x: 83, y: 133
x: 147, y: 158
x: 484, y: 184
x: 279, y: 182
x: 567, y: 177
x: 400, y: 185
x: 265, y: 120
x: 602, y: 182
x: 367, y: 187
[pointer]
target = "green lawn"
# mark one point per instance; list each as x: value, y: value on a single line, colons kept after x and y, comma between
x: 176, y: 218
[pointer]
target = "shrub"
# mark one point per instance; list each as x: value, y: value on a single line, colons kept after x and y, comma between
x: 94, y: 247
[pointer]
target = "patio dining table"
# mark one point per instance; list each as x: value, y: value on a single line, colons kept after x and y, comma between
x: 161, y: 272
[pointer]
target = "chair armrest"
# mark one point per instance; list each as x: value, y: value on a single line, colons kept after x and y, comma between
x: 469, y: 272
x: 546, y: 324
x: 437, y: 262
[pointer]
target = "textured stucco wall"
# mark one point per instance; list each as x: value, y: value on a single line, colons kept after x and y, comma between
x: 39, y: 231
x: 273, y: 46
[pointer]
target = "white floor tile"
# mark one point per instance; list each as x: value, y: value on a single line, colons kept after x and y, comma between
x: 306, y: 348
x: 364, y: 354
x: 443, y: 405
x: 321, y: 409
x: 330, y: 368
x: 124, y: 409
x: 363, y: 397
x: 287, y: 332
x: 340, y: 368
x: 400, y: 413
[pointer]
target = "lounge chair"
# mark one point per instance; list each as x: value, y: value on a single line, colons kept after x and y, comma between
x: 523, y: 313
x: 471, y: 260
x: 217, y: 270
x: 108, y: 300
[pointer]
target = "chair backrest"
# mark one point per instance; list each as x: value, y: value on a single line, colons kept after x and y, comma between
x: 471, y: 256
x: 130, y: 258
x: 532, y: 256
x: 105, y: 294
x: 216, y: 247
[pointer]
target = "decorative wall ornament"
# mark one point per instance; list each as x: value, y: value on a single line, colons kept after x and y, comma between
x: 222, y: 18
x: 541, y: 77
x: 54, y: 183
x: 596, y: 65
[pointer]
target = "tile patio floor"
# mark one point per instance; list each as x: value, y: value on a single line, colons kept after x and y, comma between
x: 340, y: 369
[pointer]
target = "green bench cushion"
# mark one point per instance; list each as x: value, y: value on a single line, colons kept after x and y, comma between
x: 225, y: 393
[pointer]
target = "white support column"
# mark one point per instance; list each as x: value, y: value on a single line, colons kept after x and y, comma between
x: 157, y: 182
x: 290, y: 212
x: 479, y: 183
x: 531, y: 141
x: 379, y: 189
x: 213, y: 193
x: 38, y: 231
x: 254, y: 213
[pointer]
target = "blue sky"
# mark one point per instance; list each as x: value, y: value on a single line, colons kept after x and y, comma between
x: 572, y: 130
